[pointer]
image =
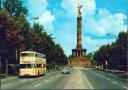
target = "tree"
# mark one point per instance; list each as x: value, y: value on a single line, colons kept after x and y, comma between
x: 115, y: 54
x: 15, y: 8
x: 10, y: 33
x: 10, y: 38
x: 89, y: 56
x: 0, y: 5
x: 25, y: 29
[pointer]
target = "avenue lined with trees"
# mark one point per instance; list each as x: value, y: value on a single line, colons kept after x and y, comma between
x: 17, y: 35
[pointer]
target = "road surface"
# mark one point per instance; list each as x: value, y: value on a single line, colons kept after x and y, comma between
x: 79, y: 78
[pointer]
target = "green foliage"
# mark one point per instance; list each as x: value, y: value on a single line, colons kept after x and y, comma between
x: 0, y: 5
x: 115, y: 54
x: 89, y: 56
x: 15, y: 8
x: 10, y: 33
x: 10, y: 38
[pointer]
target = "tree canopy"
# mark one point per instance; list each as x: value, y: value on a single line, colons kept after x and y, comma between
x: 115, y: 53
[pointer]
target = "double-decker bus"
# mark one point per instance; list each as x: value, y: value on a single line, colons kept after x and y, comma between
x: 32, y: 64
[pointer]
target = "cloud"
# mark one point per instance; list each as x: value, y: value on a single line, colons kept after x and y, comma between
x: 47, y: 19
x: 105, y: 22
x: 39, y: 8
x: 70, y: 6
x: 36, y: 7
x: 94, y: 44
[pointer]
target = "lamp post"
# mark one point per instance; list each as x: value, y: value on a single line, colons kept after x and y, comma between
x: 17, y: 63
x: 34, y: 18
x: 6, y: 53
x: 0, y: 66
x: 108, y: 34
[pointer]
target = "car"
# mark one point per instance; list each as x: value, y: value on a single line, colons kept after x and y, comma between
x: 65, y: 70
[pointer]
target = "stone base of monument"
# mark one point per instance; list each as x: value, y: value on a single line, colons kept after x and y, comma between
x: 79, y: 62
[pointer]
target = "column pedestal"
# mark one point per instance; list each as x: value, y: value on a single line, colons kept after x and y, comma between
x: 78, y: 52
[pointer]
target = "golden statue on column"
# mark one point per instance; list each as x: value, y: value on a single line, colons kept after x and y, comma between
x: 79, y: 7
x: 78, y: 54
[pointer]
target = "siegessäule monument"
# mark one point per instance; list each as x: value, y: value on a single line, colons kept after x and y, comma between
x: 78, y: 54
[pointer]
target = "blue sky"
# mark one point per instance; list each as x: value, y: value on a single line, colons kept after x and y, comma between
x: 99, y: 17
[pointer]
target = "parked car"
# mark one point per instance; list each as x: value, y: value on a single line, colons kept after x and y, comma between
x: 65, y: 70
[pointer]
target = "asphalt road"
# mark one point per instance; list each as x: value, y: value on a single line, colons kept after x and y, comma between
x: 79, y: 78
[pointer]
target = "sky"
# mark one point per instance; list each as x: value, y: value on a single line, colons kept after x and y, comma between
x: 99, y: 17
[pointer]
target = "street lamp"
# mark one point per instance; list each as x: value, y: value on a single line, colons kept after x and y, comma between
x: 6, y: 53
x: 34, y: 18
x: 0, y: 66
x: 108, y: 34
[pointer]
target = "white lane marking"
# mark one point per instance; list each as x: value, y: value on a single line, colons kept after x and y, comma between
x: 37, y: 85
x: 125, y: 87
x: 115, y: 82
x: 107, y: 78
x: 112, y: 81
x: 87, y: 81
x: 6, y: 85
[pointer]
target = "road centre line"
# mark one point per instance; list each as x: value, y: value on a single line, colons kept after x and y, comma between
x: 7, y: 85
x: 23, y: 80
x: 37, y: 85
x: 87, y: 81
x: 125, y: 87
x: 47, y: 80
x: 57, y: 76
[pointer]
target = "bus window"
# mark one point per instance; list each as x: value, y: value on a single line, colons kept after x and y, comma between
x: 39, y: 66
x: 27, y: 66
x: 40, y: 55
x: 22, y: 65
x: 33, y: 65
x: 27, y: 54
